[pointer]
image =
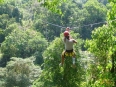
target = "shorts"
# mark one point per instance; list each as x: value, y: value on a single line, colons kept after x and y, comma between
x: 69, y: 53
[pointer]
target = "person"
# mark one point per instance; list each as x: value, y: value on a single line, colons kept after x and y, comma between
x: 68, y: 29
x: 69, y: 42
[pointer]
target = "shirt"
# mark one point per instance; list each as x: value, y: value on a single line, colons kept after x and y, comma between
x: 69, y: 44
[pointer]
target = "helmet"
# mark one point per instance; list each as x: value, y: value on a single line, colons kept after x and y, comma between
x: 66, y: 33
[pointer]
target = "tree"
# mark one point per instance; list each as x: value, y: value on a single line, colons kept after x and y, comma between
x: 52, y: 74
x: 112, y: 24
x: 103, y: 1
x: 70, y: 13
x: 7, y: 18
x: 1, y: 1
x: 21, y: 72
x: 6, y: 8
x: 111, y: 13
x: 24, y: 44
x: 100, y: 45
x: 2, y: 76
x: 3, y: 24
x: 2, y: 37
x: 3, y: 21
x: 103, y: 46
x: 16, y: 14
x: 51, y: 24
x: 53, y: 5
x: 96, y: 13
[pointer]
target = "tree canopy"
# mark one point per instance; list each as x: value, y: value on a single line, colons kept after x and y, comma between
x: 31, y: 43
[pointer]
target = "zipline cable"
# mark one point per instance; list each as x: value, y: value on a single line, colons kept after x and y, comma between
x: 105, y: 22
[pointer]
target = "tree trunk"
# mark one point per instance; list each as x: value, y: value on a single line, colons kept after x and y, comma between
x: 113, y: 69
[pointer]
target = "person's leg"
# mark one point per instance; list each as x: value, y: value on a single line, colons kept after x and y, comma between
x: 62, y: 57
x: 73, y: 57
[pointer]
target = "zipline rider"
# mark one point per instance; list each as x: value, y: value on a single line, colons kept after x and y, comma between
x: 69, y: 42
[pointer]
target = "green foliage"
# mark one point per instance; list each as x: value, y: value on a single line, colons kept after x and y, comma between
x: 1, y: 36
x: 112, y: 13
x: 96, y: 13
x: 112, y: 24
x: 95, y: 9
x: 53, y: 5
x: 103, y: 1
x: 3, y: 20
x: 1, y: 1
x: 10, y: 28
x: 16, y: 14
x: 70, y: 13
x: 51, y: 64
x: 5, y: 23
x: 52, y: 74
x: 74, y: 16
x: 101, y: 40
x: 23, y: 44
x: 6, y: 9
x: 101, y: 44
x: 21, y: 72
x: 2, y: 77
x: 11, y: 10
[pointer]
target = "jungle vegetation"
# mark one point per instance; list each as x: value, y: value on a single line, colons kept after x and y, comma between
x: 31, y: 33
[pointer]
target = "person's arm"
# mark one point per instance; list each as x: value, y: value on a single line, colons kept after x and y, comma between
x: 62, y: 60
x: 67, y: 29
x: 74, y: 41
x: 64, y: 39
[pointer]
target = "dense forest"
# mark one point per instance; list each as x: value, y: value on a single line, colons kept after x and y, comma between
x: 31, y: 43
